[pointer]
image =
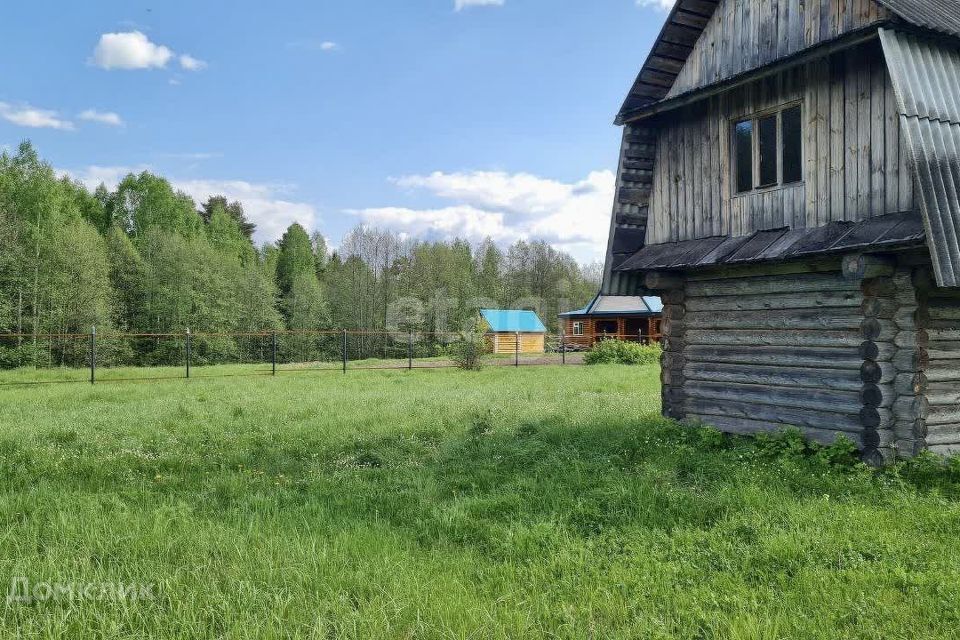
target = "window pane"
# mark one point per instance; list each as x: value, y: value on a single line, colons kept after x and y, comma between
x: 792, y: 146
x: 768, y: 150
x: 743, y: 155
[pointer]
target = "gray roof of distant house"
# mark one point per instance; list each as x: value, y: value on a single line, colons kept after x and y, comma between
x: 619, y: 306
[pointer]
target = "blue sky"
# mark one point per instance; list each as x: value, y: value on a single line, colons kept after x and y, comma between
x: 423, y: 116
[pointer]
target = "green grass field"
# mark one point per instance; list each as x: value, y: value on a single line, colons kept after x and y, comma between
x: 539, y: 502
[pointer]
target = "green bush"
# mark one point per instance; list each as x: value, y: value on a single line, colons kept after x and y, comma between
x: 467, y: 352
x: 620, y: 352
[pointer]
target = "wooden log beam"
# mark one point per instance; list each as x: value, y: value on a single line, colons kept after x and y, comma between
x: 776, y: 375
x: 883, y: 308
x: 944, y: 415
x: 908, y: 384
x: 807, y: 319
x: 673, y: 296
x: 912, y: 339
x: 861, y: 266
x: 877, y: 418
x: 837, y: 358
x: 828, y: 401
x: 663, y: 280
x: 911, y: 360
x: 879, y: 287
x: 878, y: 395
x: 674, y: 312
x: 754, y: 284
x: 877, y: 351
x: 771, y: 338
x: 910, y: 408
x: 775, y: 415
x: 779, y: 301
x: 672, y: 327
x: 746, y: 426
x: 878, y: 372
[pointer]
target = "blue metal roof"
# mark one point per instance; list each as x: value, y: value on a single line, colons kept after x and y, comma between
x: 501, y: 320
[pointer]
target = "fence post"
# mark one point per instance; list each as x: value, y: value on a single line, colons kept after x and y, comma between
x: 410, y: 351
x: 273, y: 352
x: 563, y: 346
x: 188, y: 352
x: 93, y: 354
x: 344, y: 350
x: 516, y: 351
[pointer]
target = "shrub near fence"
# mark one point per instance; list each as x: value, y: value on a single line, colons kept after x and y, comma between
x: 620, y: 352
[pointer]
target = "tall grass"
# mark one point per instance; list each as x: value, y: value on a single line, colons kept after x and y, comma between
x: 540, y: 502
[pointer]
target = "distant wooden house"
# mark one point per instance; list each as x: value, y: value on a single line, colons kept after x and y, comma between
x: 631, y: 318
x: 789, y: 184
x: 506, y: 328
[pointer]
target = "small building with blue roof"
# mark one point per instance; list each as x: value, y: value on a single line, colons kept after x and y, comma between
x: 510, y: 330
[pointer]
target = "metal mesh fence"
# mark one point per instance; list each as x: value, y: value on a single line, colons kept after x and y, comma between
x: 64, y: 358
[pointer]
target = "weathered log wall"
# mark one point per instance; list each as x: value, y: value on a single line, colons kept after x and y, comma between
x: 873, y: 356
x: 942, y: 319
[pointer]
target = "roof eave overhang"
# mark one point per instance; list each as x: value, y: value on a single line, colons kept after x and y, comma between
x: 811, y: 54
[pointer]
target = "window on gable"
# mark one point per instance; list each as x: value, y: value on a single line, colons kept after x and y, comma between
x: 768, y: 150
x: 792, y: 145
x: 743, y: 155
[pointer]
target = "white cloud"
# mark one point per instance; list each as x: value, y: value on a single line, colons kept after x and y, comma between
x: 314, y: 45
x: 95, y: 175
x: 129, y: 50
x: 26, y: 116
x: 574, y: 217
x: 460, y: 5
x: 103, y: 117
x: 461, y: 221
x: 666, y: 5
x: 190, y: 63
x: 264, y: 204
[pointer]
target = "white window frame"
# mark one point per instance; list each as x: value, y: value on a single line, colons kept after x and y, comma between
x: 578, y: 328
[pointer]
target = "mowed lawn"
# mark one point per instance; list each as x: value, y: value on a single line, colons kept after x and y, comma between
x: 541, y: 502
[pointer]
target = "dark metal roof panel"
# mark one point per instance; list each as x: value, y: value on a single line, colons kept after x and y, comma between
x: 821, y: 238
x: 876, y: 234
x: 926, y: 78
x: 758, y: 243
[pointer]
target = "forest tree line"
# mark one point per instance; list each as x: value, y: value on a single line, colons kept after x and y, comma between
x: 145, y: 259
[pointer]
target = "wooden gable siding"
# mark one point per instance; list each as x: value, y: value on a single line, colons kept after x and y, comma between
x: 855, y: 165
x: 746, y: 34
x: 506, y: 343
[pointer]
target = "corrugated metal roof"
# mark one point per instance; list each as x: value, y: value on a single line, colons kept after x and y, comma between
x: 939, y: 15
x: 926, y: 78
x: 513, y: 320
x: 620, y: 306
x: 884, y: 232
